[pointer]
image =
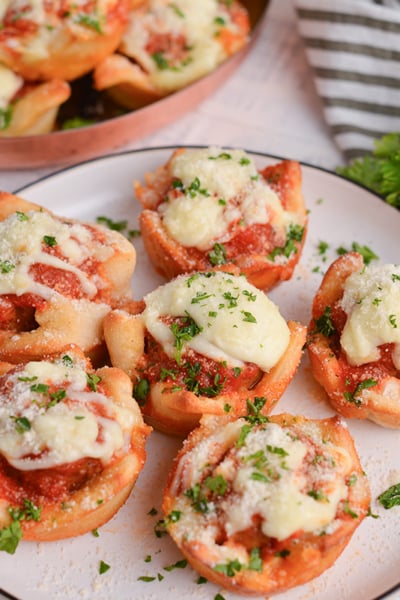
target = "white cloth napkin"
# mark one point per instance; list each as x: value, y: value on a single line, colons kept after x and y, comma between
x: 354, y: 49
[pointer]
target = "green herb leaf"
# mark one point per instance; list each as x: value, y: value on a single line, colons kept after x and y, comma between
x: 50, y: 240
x: 103, y: 567
x: 92, y: 381
x: 217, y: 256
x: 324, y: 323
x: 390, y: 497
x: 379, y: 170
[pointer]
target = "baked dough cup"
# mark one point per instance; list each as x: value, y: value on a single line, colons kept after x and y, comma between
x: 59, y: 279
x: 253, y: 219
x: 187, y: 369
x: 168, y: 45
x: 260, y: 507
x: 46, y: 41
x: 71, y: 448
x: 33, y: 108
x: 352, y: 339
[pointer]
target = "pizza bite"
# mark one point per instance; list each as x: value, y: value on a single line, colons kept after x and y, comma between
x: 43, y: 40
x: 208, y: 342
x: 260, y: 505
x: 59, y: 278
x: 211, y: 206
x: 168, y: 45
x: 72, y: 444
x: 29, y: 108
x: 354, y: 339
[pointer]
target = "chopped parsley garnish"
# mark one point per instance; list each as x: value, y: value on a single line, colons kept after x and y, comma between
x: 390, y: 497
x: 76, y: 122
x: 22, y: 424
x: 222, y: 155
x: 50, y: 241
x: 141, y: 390
x: 21, y: 216
x: 200, y: 580
x: 392, y: 321
x: 294, y: 234
x: 103, y: 567
x: 217, y: 256
x: 217, y: 484
x: 92, y: 381
x: 277, y: 450
x: 367, y: 254
x: 244, y: 161
x: 250, y: 296
x: 11, y: 535
x: 114, y: 225
x: 5, y: 117
x: 177, y: 10
x: 195, y: 188
x: 89, y: 21
x: 183, y: 332
x: 6, y: 266
x: 199, y: 500
x: 160, y: 61
x: 322, y: 247
x: 254, y: 409
x: 200, y: 297
x: 162, y: 525
x: 248, y: 317
x: 317, y: 495
x: 180, y: 564
x: 282, y: 553
x: 349, y: 511
x: 324, y: 323
x: 230, y: 568
x: 244, y: 432
x: 363, y: 385
x: 146, y: 578
x: 67, y: 361
x: 255, y: 562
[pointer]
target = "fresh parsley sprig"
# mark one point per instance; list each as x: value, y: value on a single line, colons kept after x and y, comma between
x: 380, y: 170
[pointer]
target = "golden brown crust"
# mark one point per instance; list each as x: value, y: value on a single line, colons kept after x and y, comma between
x: 77, y: 41
x: 85, y: 507
x: 329, y: 363
x: 262, y: 269
x: 178, y: 411
x: 35, y: 112
x: 279, y: 565
x: 32, y: 326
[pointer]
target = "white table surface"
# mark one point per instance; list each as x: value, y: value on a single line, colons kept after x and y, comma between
x: 269, y: 105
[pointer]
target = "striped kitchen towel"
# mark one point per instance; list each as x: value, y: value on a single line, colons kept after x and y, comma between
x: 354, y: 49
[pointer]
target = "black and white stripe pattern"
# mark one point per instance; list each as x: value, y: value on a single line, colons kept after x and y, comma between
x: 354, y: 49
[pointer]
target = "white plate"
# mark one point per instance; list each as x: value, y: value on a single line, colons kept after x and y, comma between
x: 340, y: 213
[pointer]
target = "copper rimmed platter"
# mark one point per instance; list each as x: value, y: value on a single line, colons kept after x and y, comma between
x: 73, y: 145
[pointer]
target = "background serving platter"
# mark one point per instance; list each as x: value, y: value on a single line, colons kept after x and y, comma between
x: 73, y: 145
x: 340, y: 213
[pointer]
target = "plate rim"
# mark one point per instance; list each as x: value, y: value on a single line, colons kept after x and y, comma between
x: 171, y: 147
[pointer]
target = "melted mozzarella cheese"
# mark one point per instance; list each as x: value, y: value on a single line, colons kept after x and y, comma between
x: 10, y: 83
x: 371, y: 301
x: 278, y: 493
x: 195, y: 21
x: 220, y: 187
x: 238, y: 322
x: 22, y: 243
x: 83, y: 424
